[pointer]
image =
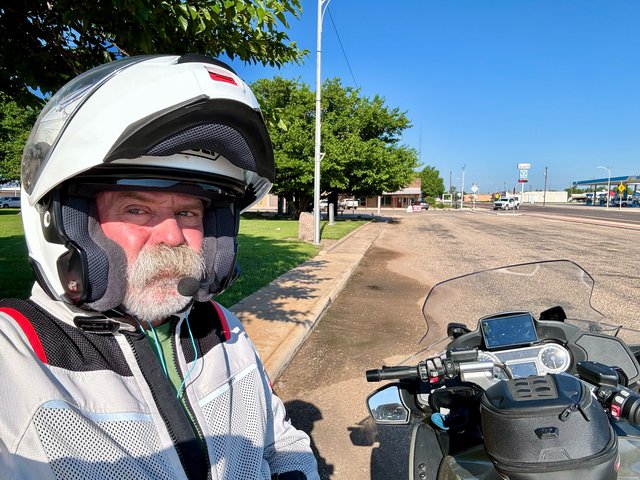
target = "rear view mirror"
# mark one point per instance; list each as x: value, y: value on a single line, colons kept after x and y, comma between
x: 386, y: 406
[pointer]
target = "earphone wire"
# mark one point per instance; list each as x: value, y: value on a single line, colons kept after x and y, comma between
x: 195, y: 360
x: 158, y: 348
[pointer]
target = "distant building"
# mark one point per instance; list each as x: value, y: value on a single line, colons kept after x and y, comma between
x: 399, y: 199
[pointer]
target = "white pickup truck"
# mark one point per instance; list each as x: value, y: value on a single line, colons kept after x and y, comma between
x: 349, y: 203
x: 504, y: 203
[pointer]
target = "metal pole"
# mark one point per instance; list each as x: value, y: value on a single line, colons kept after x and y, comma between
x: 462, y: 192
x: 608, y: 183
x: 316, y: 171
x: 544, y: 194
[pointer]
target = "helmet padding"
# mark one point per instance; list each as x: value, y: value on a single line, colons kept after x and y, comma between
x: 106, y: 260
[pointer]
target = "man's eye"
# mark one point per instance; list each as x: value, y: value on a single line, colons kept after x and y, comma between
x: 186, y: 213
x: 135, y: 211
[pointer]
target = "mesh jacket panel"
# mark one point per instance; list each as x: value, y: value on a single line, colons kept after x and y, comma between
x: 236, y: 430
x: 77, y: 444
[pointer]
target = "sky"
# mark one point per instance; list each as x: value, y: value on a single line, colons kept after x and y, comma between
x: 490, y: 84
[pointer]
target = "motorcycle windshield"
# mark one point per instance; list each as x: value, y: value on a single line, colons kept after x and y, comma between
x: 529, y: 287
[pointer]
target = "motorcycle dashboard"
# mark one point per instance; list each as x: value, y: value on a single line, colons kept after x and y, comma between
x: 533, y: 360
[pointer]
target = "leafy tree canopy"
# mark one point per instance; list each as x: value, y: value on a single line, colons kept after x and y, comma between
x: 432, y: 184
x: 15, y: 125
x: 573, y: 189
x: 45, y: 43
x: 360, y: 139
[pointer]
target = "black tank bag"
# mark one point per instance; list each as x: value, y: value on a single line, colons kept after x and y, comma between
x: 548, y: 428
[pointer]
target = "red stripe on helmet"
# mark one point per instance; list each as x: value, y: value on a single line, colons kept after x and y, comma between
x: 222, y: 78
x: 28, y: 330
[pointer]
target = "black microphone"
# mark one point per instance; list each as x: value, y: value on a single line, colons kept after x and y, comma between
x: 189, y: 286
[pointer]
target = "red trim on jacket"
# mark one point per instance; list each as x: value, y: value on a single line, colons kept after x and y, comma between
x: 28, y: 330
x: 223, y: 321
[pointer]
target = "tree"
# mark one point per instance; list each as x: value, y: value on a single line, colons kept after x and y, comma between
x: 15, y: 125
x: 46, y: 43
x: 573, y: 189
x: 360, y: 139
x: 432, y: 184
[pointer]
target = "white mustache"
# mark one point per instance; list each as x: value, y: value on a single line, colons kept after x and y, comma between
x: 165, y: 261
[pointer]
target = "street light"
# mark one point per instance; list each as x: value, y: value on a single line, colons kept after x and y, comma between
x: 608, y: 185
x: 316, y: 172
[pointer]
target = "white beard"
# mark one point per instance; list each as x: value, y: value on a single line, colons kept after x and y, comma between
x: 152, y: 281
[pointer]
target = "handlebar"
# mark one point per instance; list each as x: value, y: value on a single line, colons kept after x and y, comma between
x: 625, y: 405
x: 392, y: 373
x: 622, y: 403
x: 423, y: 371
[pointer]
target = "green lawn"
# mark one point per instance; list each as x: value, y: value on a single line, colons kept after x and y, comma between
x: 266, y: 249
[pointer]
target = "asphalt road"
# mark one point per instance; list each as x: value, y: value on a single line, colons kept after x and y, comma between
x: 376, y: 320
x: 624, y: 215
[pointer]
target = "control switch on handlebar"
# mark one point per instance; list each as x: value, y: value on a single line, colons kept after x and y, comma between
x: 432, y: 371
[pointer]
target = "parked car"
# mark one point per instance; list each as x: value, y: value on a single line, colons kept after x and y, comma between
x: 10, y: 202
x: 504, y: 203
x: 630, y: 201
x: 349, y: 203
x: 420, y: 204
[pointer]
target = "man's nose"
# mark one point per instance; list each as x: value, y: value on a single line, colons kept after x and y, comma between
x: 168, y: 232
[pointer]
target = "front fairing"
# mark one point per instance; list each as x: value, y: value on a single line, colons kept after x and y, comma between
x: 529, y: 287
x: 534, y: 288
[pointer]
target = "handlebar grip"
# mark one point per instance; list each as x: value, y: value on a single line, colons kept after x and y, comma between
x: 626, y: 405
x: 391, y: 373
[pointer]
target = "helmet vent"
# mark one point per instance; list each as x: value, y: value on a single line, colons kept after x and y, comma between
x: 221, y: 139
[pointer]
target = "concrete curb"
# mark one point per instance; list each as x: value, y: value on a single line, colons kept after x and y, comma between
x: 280, y: 316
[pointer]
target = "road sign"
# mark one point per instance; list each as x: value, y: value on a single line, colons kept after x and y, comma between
x: 621, y: 188
x: 474, y: 189
x: 524, y: 174
x: 524, y: 166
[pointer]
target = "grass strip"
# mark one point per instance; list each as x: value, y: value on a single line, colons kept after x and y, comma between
x: 267, y: 248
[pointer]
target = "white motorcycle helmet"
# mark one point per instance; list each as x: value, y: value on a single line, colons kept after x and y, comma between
x: 184, y: 124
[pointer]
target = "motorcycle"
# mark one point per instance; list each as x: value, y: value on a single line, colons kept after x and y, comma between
x: 531, y: 383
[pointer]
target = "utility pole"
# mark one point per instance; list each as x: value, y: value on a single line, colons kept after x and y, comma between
x: 544, y: 194
x: 462, y: 189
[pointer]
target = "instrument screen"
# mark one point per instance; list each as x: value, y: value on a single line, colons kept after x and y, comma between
x: 508, y: 330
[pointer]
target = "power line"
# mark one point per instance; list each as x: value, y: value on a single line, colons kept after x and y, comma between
x: 342, y: 47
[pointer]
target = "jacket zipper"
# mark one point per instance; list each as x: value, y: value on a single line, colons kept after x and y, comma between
x: 162, y: 409
x: 187, y: 402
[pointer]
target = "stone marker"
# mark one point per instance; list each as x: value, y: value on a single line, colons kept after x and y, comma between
x: 305, y: 227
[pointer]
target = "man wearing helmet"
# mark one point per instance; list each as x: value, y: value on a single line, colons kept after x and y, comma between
x: 120, y: 365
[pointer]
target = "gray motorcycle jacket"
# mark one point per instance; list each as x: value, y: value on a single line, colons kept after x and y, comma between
x: 83, y: 396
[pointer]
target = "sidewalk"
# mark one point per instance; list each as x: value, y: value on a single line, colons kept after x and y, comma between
x: 280, y: 316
